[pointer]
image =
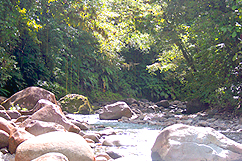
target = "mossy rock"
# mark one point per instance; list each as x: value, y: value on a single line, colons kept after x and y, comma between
x: 75, y: 103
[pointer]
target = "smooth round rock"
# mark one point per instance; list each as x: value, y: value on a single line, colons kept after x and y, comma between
x: 72, y: 145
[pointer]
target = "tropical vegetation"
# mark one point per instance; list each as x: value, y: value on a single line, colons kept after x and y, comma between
x: 111, y: 49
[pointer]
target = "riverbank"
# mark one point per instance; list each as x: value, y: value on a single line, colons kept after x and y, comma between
x: 141, y: 135
x: 132, y: 134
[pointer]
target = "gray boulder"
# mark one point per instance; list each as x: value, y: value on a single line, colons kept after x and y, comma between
x: 182, y: 142
x: 115, y: 111
x: 163, y: 103
x: 195, y: 106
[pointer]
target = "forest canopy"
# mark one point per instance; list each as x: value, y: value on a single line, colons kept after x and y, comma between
x: 111, y: 49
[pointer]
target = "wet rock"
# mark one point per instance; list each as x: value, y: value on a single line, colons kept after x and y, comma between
x: 94, y: 137
x: 113, y: 154
x: 72, y: 145
x: 81, y: 125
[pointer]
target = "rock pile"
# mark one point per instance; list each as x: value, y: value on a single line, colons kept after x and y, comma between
x: 45, y: 129
x: 44, y: 132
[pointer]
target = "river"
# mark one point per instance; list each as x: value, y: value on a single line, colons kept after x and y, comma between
x: 138, y: 139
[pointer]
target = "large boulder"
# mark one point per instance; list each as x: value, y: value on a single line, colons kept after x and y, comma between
x: 36, y: 127
x: 4, y: 115
x: 52, y: 157
x: 182, y: 142
x: 130, y: 101
x: 28, y: 97
x: 16, y: 137
x: 72, y: 145
x: 41, y: 103
x: 2, y: 99
x: 6, y: 125
x: 52, y: 113
x: 194, y: 106
x: 3, y: 139
x: 81, y: 125
x: 94, y: 137
x: 14, y: 114
x: 75, y: 103
x: 115, y: 111
x: 1, y: 107
x: 163, y: 103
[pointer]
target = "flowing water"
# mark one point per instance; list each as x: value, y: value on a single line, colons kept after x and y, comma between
x: 137, y: 139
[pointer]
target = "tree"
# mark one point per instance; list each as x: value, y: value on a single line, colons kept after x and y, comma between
x: 9, y: 37
x: 207, y: 34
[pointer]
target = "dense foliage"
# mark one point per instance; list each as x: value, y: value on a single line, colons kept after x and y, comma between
x: 207, y: 35
x: 110, y: 49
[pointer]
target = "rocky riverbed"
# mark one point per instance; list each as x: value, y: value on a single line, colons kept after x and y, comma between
x: 229, y: 126
x: 148, y: 121
x: 131, y: 132
x: 174, y: 112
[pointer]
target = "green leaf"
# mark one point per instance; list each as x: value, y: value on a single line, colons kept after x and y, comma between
x: 234, y: 7
x: 224, y: 29
x: 235, y: 57
x: 234, y: 34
